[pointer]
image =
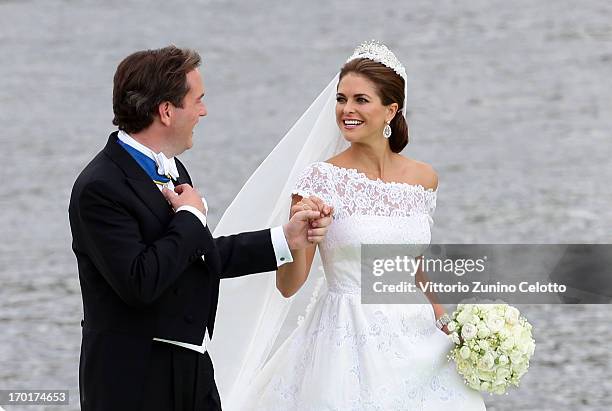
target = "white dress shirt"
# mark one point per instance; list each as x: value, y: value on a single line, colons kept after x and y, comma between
x: 279, y: 242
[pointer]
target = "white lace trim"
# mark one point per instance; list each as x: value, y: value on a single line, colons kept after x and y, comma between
x: 313, y: 298
x: 352, y: 192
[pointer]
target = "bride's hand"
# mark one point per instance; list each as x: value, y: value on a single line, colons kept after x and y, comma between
x: 439, y: 312
x: 298, y: 232
x: 310, y: 219
x: 312, y: 203
x: 318, y: 225
x: 444, y: 328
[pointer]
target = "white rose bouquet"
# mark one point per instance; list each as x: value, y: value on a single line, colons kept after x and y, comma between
x: 493, y: 345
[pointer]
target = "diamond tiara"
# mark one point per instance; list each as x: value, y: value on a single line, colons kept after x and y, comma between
x: 380, y: 53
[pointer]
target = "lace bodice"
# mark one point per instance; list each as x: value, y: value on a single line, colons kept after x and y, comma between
x: 345, y: 355
x: 351, y: 192
x: 366, y: 211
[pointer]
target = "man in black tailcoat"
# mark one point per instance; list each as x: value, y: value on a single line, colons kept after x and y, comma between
x: 148, y: 265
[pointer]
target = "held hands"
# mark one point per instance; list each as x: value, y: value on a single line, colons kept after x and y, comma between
x: 308, y: 223
x: 184, y: 195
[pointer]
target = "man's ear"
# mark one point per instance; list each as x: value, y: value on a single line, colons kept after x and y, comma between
x: 165, y: 111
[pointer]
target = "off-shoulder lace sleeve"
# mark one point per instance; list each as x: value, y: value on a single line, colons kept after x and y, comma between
x: 431, y: 205
x: 315, y: 180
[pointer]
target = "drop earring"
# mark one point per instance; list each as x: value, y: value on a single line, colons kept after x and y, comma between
x: 387, y: 130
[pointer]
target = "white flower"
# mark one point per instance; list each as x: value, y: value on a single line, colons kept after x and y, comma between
x: 512, y: 315
x: 486, y: 375
x: 464, y: 316
x: 483, y: 332
x: 474, y: 356
x: 495, y: 323
x: 517, y: 331
x: 465, y: 352
x: 502, y: 373
x: 531, y: 348
x: 497, y: 346
x: 500, y: 309
x: 521, y: 370
x: 507, y: 345
x: 484, y: 345
x: 451, y: 326
x: 474, y: 382
x: 504, y: 333
x: 484, y: 308
x: 486, y: 362
x: 516, y: 357
x: 469, y: 331
x: 462, y: 366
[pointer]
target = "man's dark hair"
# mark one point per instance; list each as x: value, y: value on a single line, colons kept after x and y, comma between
x: 146, y: 79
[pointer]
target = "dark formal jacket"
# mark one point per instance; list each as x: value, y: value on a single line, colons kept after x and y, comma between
x: 142, y: 275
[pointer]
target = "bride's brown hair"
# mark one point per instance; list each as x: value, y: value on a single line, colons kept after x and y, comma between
x: 390, y: 88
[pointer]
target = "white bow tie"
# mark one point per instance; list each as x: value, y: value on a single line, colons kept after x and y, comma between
x: 166, y: 166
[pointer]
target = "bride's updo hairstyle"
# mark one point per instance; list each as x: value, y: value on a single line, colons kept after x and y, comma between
x: 390, y: 88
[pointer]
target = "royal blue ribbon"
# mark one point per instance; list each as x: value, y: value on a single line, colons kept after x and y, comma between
x: 146, y: 162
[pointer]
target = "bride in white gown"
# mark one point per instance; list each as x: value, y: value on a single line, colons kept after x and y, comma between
x: 345, y: 355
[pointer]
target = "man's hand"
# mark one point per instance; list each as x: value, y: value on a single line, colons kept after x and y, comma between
x: 310, y: 219
x: 312, y: 203
x: 184, y: 195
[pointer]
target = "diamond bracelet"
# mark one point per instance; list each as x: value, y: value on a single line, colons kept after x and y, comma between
x: 443, y: 320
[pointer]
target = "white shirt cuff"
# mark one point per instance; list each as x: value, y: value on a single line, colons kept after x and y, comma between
x: 281, y: 248
x: 195, y: 212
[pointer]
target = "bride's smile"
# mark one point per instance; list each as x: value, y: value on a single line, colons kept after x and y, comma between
x: 360, y: 113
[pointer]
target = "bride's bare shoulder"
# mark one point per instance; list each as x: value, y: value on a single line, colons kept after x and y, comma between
x: 419, y: 172
x: 339, y: 160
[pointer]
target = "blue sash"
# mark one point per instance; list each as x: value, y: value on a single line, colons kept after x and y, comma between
x: 146, y: 162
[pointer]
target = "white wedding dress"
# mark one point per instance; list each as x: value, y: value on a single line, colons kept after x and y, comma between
x: 345, y: 355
